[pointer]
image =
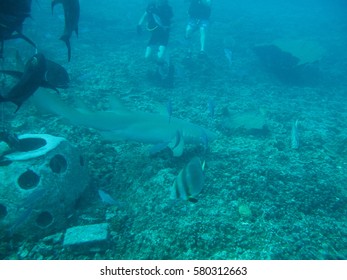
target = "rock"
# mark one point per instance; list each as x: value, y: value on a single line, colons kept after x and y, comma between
x: 89, y: 234
x: 244, y: 211
x: 292, y: 61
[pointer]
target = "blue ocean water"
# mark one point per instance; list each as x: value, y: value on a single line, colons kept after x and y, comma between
x: 275, y: 74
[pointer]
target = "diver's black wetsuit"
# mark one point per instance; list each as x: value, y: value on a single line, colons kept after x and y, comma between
x: 159, y: 20
x: 198, y: 10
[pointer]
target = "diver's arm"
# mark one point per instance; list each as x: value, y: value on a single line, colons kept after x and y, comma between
x: 142, y: 19
x: 139, y: 25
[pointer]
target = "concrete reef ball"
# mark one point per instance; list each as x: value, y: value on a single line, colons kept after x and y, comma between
x: 40, y: 185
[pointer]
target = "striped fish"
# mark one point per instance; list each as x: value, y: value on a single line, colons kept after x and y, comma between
x: 189, y: 182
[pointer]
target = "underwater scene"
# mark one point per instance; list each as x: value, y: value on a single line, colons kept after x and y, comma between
x: 173, y: 130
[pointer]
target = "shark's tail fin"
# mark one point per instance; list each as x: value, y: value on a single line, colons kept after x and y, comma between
x: 66, y: 39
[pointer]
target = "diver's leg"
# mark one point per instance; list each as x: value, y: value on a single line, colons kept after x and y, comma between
x: 190, y: 29
x: 161, y: 53
x: 163, y: 62
x: 148, y: 52
x: 202, y: 39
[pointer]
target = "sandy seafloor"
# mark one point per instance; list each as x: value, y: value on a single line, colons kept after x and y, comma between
x: 261, y: 198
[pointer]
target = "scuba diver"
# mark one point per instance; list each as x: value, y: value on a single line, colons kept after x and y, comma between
x: 158, y: 15
x: 12, y: 16
x: 199, y: 14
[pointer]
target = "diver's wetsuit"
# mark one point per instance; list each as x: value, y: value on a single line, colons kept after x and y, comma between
x: 199, y: 13
x: 159, y: 20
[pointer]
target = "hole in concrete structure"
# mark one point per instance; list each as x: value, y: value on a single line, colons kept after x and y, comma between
x: 3, y: 211
x: 30, y: 144
x: 58, y: 164
x: 28, y: 180
x: 44, y: 219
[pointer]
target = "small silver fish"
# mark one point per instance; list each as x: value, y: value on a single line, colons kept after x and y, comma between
x: 211, y: 105
x: 169, y: 109
x: 106, y: 198
x: 229, y: 56
x: 295, y: 135
x: 204, y: 141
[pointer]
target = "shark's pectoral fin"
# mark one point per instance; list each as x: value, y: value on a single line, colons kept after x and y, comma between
x: 158, y: 148
x: 177, y: 145
x: 46, y: 84
x: 19, y: 104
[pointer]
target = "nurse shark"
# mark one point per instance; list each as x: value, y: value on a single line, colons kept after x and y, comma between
x: 123, y: 124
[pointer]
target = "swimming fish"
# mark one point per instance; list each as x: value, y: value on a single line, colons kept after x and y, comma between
x: 295, y: 135
x: 12, y: 17
x: 190, y: 181
x: 204, y: 141
x: 108, y: 199
x: 56, y: 75
x: 229, y: 56
x: 211, y: 105
x: 71, y: 14
x: 169, y: 109
x: 122, y: 124
x: 29, y: 81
